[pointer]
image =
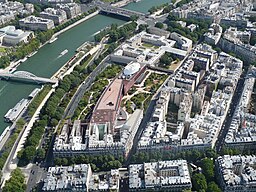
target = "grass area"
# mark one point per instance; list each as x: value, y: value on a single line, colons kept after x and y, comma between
x: 148, y: 45
x: 139, y: 99
x: 10, y: 142
x: 174, y: 65
x: 154, y: 81
x: 128, y: 107
x: 142, y: 99
x: 37, y: 100
x: 2, y: 49
x: 101, y: 81
x: 87, y: 61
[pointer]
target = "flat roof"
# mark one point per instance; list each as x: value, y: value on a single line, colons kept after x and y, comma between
x: 110, y: 97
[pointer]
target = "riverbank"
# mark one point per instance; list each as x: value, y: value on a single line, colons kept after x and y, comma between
x: 76, y: 23
x: 122, y: 3
x: 12, y: 160
x: 14, y: 64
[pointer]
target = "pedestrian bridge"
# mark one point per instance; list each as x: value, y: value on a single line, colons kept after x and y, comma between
x: 26, y: 76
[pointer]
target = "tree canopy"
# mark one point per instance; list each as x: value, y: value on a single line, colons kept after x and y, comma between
x: 199, y: 182
x: 16, y: 183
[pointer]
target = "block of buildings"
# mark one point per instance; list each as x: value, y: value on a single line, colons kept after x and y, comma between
x: 10, y: 9
x: 134, y: 49
x: 72, y: 9
x: 106, y: 182
x: 242, y: 133
x: 236, y: 173
x: 36, y: 23
x: 110, y: 130
x: 68, y: 178
x: 213, y: 35
x: 57, y: 15
x: 160, y: 176
x: 172, y: 126
x: 235, y: 41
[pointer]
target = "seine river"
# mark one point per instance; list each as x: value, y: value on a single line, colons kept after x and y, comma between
x: 46, y: 62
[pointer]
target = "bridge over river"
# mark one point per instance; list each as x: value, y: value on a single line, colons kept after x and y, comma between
x: 108, y: 9
x: 26, y: 76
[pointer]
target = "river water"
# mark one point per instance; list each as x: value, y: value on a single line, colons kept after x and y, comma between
x: 46, y: 62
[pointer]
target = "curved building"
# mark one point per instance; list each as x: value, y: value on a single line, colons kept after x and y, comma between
x: 131, y: 69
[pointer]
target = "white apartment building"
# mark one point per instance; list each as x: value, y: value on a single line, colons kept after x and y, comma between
x: 68, y: 178
x: 160, y: 176
x: 237, y: 173
x: 58, y: 16
x: 36, y: 23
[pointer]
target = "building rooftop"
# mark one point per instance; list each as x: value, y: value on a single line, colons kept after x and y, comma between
x: 68, y: 178
x: 237, y: 171
x: 168, y: 174
x: 110, y: 97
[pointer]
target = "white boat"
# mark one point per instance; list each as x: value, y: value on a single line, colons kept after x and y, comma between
x: 12, y: 70
x: 23, y: 60
x: 4, y: 133
x: 63, y: 52
x: 30, y: 55
x: 53, y: 39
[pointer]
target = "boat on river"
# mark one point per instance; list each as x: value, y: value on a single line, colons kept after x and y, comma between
x: 63, y: 53
x: 52, y: 40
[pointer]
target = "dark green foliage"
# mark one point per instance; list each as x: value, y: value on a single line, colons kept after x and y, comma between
x: 173, y: 26
x: 156, y: 8
x: 190, y: 155
x: 16, y: 183
x: 98, y: 162
x: 166, y: 60
x: 182, y: 2
x: 143, y: 27
x: 207, y: 166
x: 116, y: 33
x: 213, y: 187
x: 134, y: 18
x: 253, y: 40
x: 199, y: 182
x: 159, y: 25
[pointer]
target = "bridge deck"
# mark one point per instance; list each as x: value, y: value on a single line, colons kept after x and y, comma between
x: 34, y: 78
x: 120, y: 11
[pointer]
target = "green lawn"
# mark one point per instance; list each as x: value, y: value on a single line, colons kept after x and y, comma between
x: 2, y: 49
x: 148, y: 45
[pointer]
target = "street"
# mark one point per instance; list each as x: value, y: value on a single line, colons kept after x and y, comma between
x: 235, y: 100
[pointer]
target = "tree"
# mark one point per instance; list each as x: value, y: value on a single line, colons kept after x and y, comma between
x: 159, y: 25
x: 213, y: 187
x: 64, y: 161
x: 143, y: 27
x: 134, y: 18
x: 16, y: 183
x: 29, y: 153
x: 199, y: 182
x: 208, y: 168
x: 40, y: 154
x: 54, y: 122
x: 57, y: 161
x: 166, y: 59
x: 210, y: 153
